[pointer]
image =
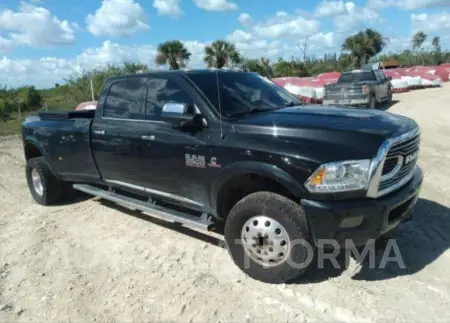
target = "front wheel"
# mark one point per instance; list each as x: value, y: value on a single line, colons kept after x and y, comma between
x: 372, y: 103
x: 269, y: 238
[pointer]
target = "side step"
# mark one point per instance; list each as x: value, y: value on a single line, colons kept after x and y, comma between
x: 203, y: 222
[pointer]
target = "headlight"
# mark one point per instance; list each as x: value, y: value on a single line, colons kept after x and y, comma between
x: 343, y: 176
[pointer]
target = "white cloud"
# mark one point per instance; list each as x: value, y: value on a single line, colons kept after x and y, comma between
x: 35, y: 26
x: 408, y: 4
x: 245, y: 19
x: 285, y: 26
x: 356, y: 18
x: 430, y: 23
x: 5, y: 45
x: 47, y: 71
x: 281, y: 14
x: 216, y: 5
x: 239, y: 36
x: 120, y: 18
x: 322, y: 41
x: 333, y: 8
x: 168, y: 7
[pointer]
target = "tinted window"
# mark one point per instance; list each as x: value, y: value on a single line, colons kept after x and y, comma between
x: 242, y: 93
x: 356, y: 77
x: 160, y: 91
x: 125, y: 99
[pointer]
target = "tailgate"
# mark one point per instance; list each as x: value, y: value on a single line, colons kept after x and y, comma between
x: 345, y: 94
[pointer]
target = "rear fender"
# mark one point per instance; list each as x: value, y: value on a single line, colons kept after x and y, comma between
x: 29, y: 140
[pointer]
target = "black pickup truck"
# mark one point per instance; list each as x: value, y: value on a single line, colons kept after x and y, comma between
x: 225, y: 149
x: 365, y: 88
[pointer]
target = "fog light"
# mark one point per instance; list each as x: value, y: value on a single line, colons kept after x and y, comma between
x: 348, y: 223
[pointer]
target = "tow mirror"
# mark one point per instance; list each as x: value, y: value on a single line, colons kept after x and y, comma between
x: 181, y: 114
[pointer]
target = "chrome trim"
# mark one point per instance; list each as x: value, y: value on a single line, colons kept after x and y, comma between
x: 402, y: 182
x: 174, y: 107
x: 378, y: 163
x: 133, y: 120
x: 394, y: 171
x: 155, y: 192
x: 144, y: 137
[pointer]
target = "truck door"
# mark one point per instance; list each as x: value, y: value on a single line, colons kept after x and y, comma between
x: 165, y: 150
x: 116, y: 134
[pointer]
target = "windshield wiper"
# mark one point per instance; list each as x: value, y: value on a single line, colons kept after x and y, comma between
x: 249, y: 112
x: 292, y: 104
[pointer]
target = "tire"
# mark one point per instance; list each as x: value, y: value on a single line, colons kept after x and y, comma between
x: 276, y: 210
x: 372, y: 103
x: 52, y: 188
x: 390, y: 96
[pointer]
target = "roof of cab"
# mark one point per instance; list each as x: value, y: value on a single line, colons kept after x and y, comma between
x: 182, y: 72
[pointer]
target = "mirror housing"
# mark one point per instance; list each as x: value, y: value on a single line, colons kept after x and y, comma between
x: 178, y: 114
x: 389, y: 78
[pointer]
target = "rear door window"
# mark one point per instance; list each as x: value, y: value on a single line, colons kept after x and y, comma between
x: 125, y: 99
x: 356, y: 77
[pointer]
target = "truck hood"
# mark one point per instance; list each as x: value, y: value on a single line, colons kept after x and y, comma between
x: 350, y: 131
x: 356, y: 120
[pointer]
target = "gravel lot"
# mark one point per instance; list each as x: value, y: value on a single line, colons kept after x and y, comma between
x: 94, y: 261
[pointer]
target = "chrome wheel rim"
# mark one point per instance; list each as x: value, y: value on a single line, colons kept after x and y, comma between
x: 37, y: 182
x: 265, y: 241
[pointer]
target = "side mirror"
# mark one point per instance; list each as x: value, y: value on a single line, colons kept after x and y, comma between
x: 181, y: 114
x: 389, y: 78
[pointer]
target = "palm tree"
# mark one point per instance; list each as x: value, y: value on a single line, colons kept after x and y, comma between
x: 436, y: 42
x: 221, y: 53
x: 261, y: 66
x: 173, y: 53
x: 418, y: 40
x: 365, y: 45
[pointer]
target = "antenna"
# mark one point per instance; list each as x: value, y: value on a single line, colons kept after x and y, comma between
x: 220, y: 105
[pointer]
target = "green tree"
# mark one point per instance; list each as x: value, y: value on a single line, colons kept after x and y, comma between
x: 5, y: 111
x: 34, y: 99
x: 364, y: 45
x: 131, y: 68
x: 418, y: 40
x: 289, y: 68
x: 261, y: 66
x: 172, y: 53
x: 221, y: 54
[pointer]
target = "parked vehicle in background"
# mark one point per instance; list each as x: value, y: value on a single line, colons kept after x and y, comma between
x: 207, y: 148
x: 363, y: 88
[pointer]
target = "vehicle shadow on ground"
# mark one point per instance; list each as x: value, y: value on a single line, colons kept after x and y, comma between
x: 418, y: 243
x: 386, y: 106
x: 72, y: 198
x: 179, y: 228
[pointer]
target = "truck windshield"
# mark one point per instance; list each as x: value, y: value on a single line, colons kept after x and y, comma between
x: 242, y: 93
x: 356, y: 77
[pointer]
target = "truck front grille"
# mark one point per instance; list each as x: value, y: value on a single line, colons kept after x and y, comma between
x: 406, y: 153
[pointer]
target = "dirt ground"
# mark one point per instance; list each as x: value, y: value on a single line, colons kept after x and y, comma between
x: 94, y: 261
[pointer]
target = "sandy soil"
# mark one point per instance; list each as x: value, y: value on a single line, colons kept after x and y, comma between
x: 94, y: 261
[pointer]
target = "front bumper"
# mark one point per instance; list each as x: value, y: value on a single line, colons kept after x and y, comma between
x: 362, y: 101
x: 362, y: 219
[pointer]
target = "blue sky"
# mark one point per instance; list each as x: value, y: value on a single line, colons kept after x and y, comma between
x: 44, y: 41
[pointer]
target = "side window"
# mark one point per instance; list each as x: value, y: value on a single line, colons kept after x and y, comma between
x: 161, y: 90
x: 383, y: 77
x: 125, y: 100
x: 377, y: 76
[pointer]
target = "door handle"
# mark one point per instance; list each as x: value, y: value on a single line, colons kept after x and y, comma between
x: 144, y: 137
x: 99, y: 132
